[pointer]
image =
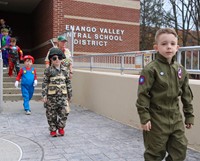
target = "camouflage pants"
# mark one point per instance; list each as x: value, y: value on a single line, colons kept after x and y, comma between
x: 56, y: 111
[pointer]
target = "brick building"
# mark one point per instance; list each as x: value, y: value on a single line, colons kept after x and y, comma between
x: 100, y: 26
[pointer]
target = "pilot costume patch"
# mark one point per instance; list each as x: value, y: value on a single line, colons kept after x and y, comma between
x: 179, y: 73
x: 141, y: 80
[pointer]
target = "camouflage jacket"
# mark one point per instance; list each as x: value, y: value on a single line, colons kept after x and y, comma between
x: 55, y: 81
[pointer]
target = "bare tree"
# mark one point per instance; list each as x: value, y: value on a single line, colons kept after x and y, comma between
x: 151, y: 18
x: 184, y: 17
x: 195, y: 12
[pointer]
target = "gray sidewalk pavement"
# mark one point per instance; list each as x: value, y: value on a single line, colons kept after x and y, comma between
x: 89, y: 137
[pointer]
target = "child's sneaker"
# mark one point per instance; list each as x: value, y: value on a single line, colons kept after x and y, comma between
x: 53, y: 133
x: 28, y: 112
x: 61, y: 131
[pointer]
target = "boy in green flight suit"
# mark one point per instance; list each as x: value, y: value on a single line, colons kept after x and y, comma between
x: 161, y: 83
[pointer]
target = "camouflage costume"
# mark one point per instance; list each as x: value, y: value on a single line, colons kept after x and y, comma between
x: 57, y: 88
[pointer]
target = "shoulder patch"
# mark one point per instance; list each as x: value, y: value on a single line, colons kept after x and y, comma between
x: 141, y: 80
x: 179, y: 73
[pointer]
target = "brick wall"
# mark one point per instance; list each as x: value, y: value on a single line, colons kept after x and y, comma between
x: 103, y: 16
x: 42, y: 28
x: 50, y: 18
x: 58, y: 17
x: 94, y: 10
x: 111, y: 42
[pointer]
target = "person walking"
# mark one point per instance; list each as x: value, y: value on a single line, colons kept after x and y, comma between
x: 28, y: 77
x: 15, y: 54
x: 5, y: 42
x: 56, y: 92
x: 161, y: 83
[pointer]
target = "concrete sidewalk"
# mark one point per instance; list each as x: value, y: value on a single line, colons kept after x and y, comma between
x: 89, y: 137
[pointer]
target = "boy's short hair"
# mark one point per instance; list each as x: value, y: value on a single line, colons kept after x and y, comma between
x: 4, y: 30
x: 13, y: 39
x: 165, y: 31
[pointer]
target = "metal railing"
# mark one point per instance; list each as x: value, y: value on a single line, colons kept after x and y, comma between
x: 135, y: 61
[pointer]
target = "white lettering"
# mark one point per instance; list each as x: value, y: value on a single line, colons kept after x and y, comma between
x: 78, y: 28
x: 75, y: 41
x: 106, y: 37
x: 111, y: 31
x: 101, y: 30
x: 81, y: 28
x: 84, y: 35
x: 111, y: 37
x: 101, y: 37
x: 79, y: 35
x: 67, y: 27
x: 93, y: 36
x: 94, y: 29
x: 85, y: 42
x: 96, y: 36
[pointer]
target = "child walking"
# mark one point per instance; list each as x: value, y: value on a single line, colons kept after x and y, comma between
x: 28, y: 77
x: 5, y: 42
x: 57, y: 91
x: 15, y: 54
x: 161, y: 83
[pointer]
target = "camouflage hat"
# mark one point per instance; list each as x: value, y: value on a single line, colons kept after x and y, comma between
x: 55, y: 51
x: 62, y: 38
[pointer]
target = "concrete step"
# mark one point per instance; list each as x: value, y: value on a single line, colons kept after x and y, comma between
x: 18, y: 90
x: 12, y: 85
x: 36, y: 66
x: 13, y: 79
x: 39, y: 74
x: 15, y: 97
x: 10, y: 93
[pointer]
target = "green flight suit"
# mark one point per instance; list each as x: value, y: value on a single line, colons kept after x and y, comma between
x: 160, y: 86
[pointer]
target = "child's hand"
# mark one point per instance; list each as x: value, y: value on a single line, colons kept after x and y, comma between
x: 44, y: 99
x: 35, y: 83
x: 70, y: 75
x: 69, y: 100
x: 16, y: 84
x: 147, y: 126
x: 188, y: 126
